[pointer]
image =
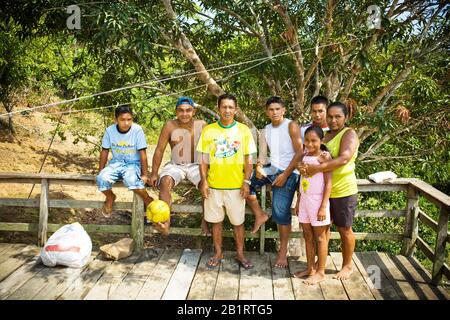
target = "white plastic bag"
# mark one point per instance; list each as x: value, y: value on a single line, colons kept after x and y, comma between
x: 383, y: 176
x: 69, y: 246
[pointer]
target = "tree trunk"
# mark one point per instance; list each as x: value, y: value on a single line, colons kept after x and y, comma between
x: 10, y: 124
x: 9, y: 108
x: 185, y: 47
x: 332, y: 85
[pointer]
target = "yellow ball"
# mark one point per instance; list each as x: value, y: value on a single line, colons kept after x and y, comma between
x: 158, y: 211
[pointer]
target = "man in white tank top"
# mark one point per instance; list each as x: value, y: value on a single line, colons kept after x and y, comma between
x: 282, y: 136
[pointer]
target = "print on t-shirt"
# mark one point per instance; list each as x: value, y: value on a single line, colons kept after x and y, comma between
x: 225, y: 149
x: 123, y: 147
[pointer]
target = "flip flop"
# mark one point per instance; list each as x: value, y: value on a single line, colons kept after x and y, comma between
x: 213, y: 262
x: 246, y: 264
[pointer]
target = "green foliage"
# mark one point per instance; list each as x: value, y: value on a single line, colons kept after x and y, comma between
x: 131, y: 45
x: 14, y: 70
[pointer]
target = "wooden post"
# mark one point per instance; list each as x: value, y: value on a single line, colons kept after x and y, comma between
x: 43, y: 213
x: 137, y: 223
x: 262, y: 230
x: 439, y: 251
x: 411, y: 230
x: 296, y: 246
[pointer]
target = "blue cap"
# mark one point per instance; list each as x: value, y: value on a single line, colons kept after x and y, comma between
x: 185, y: 100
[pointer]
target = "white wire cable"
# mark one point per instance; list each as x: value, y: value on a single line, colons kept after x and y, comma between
x: 124, y: 103
x: 157, y: 97
x: 131, y: 86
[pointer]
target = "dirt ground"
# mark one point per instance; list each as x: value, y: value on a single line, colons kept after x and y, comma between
x: 25, y: 151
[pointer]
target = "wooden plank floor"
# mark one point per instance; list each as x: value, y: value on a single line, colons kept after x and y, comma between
x: 181, y: 274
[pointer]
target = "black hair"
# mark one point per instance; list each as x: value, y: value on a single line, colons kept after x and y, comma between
x: 319, y: 100
x: 126, y: 108
x: 275, y: 99
x: 227, y: 96
x: 318, y: 130
x: 339, y: 105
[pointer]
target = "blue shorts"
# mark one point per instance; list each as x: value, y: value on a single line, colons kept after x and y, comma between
x: 129, y: 172
x: 281, y: 196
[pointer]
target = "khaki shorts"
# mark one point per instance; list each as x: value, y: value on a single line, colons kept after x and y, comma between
x: 230, y: 200
x: 179, y: 172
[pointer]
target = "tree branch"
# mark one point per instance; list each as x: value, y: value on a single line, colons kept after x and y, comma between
x: 377, y: 144
x: 207, y: 110
x: 389, y: 89
x: 355, y: 65
x: 319, y: 50
x: 225, y: 24
x: 365, y: 132
x: 253, y: 31
x: 381, y: 158
x: 184, y: 45
x: 291, y: 36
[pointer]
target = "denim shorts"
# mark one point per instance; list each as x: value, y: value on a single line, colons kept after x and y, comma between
x: 281, y: 196
x: 129, y: 172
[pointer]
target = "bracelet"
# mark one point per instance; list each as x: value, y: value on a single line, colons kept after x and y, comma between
x: 247, y: 182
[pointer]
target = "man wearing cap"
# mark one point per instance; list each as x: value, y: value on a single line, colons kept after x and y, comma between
x: 182, y: 134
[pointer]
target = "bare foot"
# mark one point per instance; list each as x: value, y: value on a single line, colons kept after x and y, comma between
x: 147, y: 201
x: 205, y: 228
x: 162, y: 227
x: 304, y: 273
x: 108, y: 206
x: 281, y: 261
x: 314, y: 279
x: 259, y: 221
x: 344, y: 274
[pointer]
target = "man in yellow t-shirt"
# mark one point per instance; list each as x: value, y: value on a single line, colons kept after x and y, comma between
x: 226, y: 149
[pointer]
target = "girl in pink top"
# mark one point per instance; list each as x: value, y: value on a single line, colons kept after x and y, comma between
x: 313, y: 208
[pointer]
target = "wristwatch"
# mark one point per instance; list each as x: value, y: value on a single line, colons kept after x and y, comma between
x: 248, y: 182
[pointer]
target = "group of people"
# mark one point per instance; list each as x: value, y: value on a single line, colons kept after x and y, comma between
x: 316, y: 160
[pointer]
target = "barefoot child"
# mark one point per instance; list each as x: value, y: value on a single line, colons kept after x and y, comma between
x: 129, y: 159
x: 313, y: 208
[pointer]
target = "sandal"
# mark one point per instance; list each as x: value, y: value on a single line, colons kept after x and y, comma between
x: 246, y: 264
x: 213, y: 262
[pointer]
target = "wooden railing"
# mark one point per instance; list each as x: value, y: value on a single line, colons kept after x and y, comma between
x: 414, y: 188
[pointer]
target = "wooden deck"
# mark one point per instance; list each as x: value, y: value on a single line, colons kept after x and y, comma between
x: 176, y: 274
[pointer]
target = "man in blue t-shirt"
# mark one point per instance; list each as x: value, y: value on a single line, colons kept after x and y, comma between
x: 129, y: 159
